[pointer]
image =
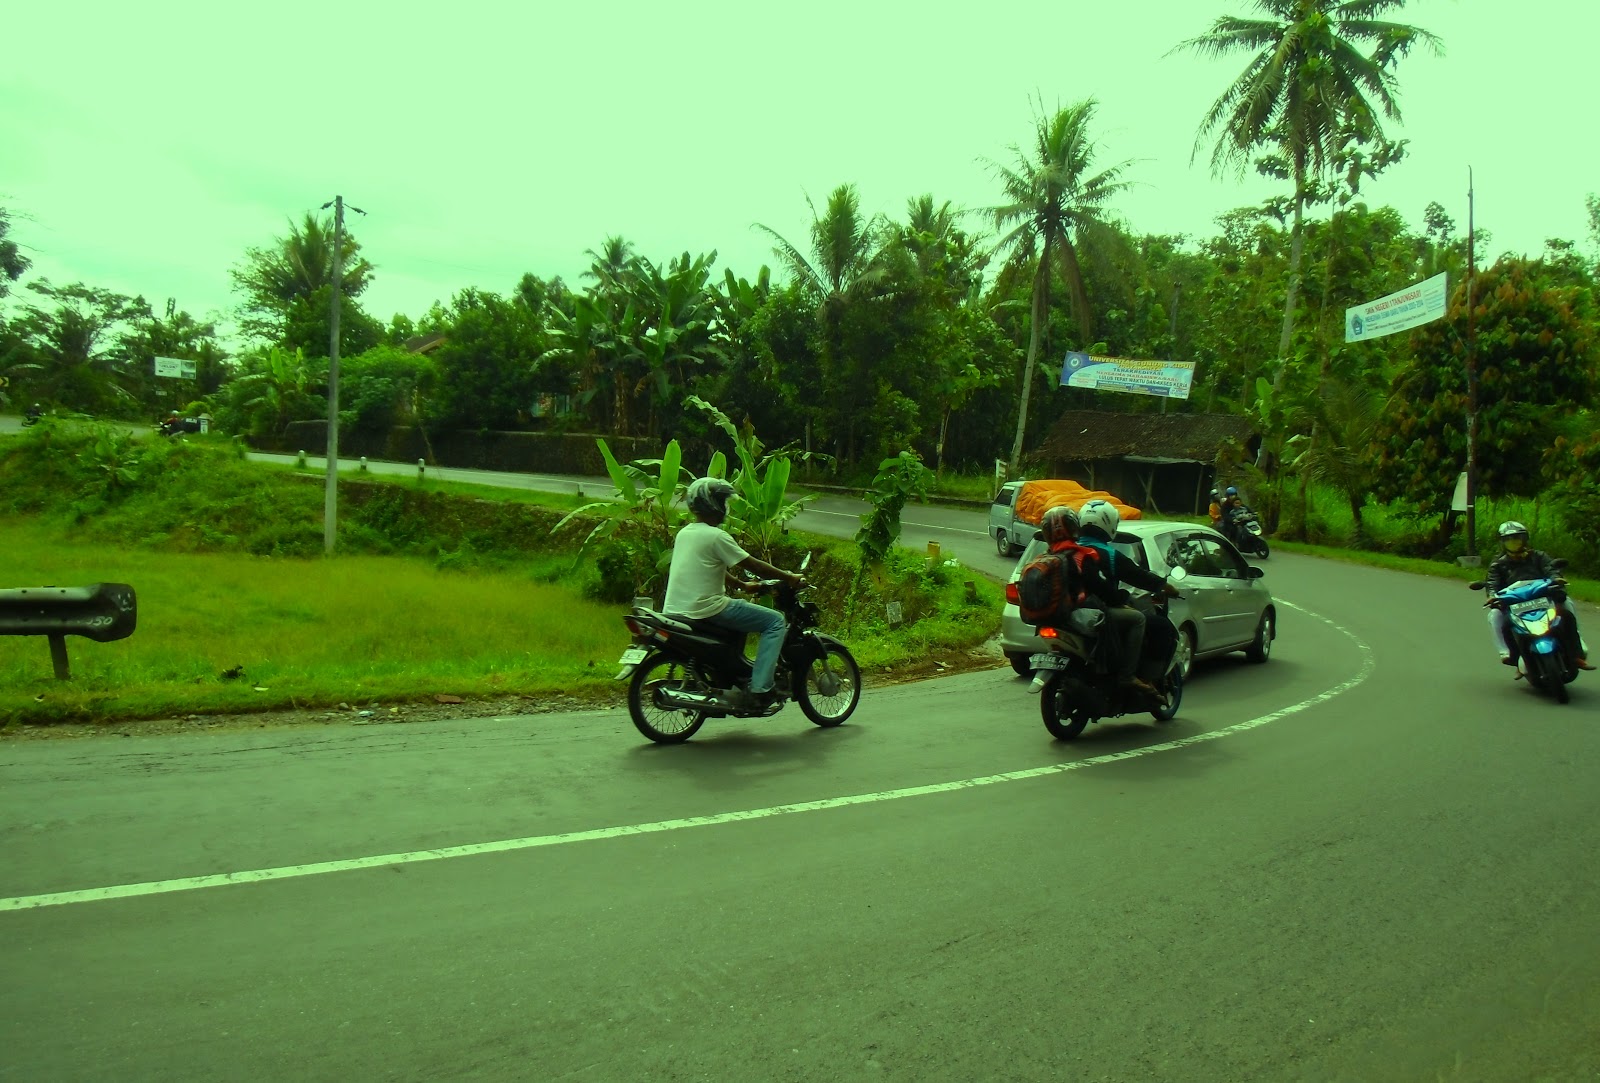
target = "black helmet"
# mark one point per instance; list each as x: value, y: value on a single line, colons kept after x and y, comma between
x: 708, y: 498
x: 1059, y: 524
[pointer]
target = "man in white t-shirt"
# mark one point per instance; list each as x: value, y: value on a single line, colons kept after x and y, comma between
x: 704, y: 558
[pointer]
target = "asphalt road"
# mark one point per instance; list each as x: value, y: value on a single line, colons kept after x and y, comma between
x: 1369, y: 859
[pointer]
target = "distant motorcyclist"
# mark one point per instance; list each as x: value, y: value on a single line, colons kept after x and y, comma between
x: 1131, y: 623
x: 704, y: 558
x: 1516, y: 561
x: 35, y: 412
x: 1215, y: 509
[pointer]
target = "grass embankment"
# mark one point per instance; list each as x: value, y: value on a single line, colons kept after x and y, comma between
x: 433, y: 593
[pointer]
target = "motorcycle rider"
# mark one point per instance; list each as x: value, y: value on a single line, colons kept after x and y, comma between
x: 35, y: 412
x: 704, y: 558
x: 1131, y: 624
x: 1517, y: 561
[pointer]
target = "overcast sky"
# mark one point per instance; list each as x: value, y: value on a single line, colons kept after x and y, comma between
x: 145, y: 146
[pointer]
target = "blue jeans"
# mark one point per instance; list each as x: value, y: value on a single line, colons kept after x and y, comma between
x: 742, y: 616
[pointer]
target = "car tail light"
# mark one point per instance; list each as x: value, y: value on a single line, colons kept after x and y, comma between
x: 1011, y: 594
x: 1049, y: 633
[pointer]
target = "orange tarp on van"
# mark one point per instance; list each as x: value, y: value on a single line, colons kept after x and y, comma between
x: 1037, y: 497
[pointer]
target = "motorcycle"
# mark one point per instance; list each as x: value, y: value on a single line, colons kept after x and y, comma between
x: 1244, y: 530
x: 681, y: 671
x: 1535, y: 616
x: 30, y: 419
x: 174, y: 426
x: 1081, y: 686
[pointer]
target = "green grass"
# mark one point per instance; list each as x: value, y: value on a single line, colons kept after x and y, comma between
x: 307, y: 632
x: 357, y: 629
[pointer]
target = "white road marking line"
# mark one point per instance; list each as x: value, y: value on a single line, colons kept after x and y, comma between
x: 285, y: 872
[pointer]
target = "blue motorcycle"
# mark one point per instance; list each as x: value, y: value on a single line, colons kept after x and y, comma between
x: 1535, y: 615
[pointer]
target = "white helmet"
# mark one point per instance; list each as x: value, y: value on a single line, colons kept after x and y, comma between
x: 1102, y: 515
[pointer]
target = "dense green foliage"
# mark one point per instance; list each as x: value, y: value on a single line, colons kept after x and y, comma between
x: 923, y: 334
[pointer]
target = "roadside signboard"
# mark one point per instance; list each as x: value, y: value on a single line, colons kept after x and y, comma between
x: 1399, y: 311
x: 176, y: 367
x: 1163, y: 379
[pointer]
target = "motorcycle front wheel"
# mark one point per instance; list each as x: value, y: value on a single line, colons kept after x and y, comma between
x: 663, y: 724
x: 829, y: 687
x: 1550, y: 673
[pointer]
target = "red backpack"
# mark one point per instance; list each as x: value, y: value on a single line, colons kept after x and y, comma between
x: 1050, y: 586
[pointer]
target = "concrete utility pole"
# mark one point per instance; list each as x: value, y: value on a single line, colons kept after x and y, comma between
x: 1472, y: 389
x: 330, y: 501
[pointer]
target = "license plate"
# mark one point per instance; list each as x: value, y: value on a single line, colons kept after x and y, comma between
x: 632, y: 656
x: 1049, y: 661
x: 1524, y: 608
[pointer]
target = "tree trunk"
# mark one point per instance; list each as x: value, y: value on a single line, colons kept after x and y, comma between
x: 938, y: 451
x: 1297, y: 245
x: 1041, y: 306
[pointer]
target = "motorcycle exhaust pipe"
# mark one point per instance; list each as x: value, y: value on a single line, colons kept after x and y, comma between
x: 688, y: 700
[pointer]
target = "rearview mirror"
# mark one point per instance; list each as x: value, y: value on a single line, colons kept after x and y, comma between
x: 1479, y: 585
x: 1255, y: 572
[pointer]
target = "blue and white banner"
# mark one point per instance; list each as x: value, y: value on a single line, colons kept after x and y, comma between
x: 1399, y: 311
x: 1163, y: 379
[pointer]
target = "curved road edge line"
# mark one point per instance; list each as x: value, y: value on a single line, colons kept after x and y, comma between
x: 285, y: 872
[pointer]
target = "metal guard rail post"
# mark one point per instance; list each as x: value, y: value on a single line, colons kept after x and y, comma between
x: 102, y: 612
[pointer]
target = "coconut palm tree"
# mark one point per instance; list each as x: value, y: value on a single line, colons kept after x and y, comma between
x: 1051, y: 200
x: 843, y: 270
x: 289, y: 271
x: 1307, y: 85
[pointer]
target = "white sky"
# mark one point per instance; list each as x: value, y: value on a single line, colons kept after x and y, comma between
x: 147, y: 145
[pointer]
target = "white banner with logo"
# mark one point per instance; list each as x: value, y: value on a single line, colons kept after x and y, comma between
x: 1163, y: 379
x: 176, y: 367
x: 1399, y: 311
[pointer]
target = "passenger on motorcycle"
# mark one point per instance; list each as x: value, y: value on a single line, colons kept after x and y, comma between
x: 704, y: 558
x: 1517, y: 561
x: 1132, y: 624
x: 1216, y: 509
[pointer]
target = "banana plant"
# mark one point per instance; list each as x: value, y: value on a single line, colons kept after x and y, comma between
x: 644, y: 513
x: 760, y: 507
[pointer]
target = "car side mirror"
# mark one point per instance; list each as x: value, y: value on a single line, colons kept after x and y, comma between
x: 1479, y: 585
x: 1255, y: 572
x: 1038, y: 535
x: 1178, y: 574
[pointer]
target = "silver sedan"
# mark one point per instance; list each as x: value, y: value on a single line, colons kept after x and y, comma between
x: 1225, y: 605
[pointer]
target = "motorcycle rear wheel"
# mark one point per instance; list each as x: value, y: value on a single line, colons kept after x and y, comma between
x: 662, y: 724
x: 1062, y: 729
x: 829, y: 687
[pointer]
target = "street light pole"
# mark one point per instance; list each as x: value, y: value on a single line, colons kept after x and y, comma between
x: 330, y: 499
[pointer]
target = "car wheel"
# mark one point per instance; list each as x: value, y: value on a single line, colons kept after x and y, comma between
x: 1261, y: 649
x: 1183, y: 658
x: 1021, y: 664
x: 1001, y: 546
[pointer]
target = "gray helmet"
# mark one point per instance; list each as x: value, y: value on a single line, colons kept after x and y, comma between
x: 708, y: 498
